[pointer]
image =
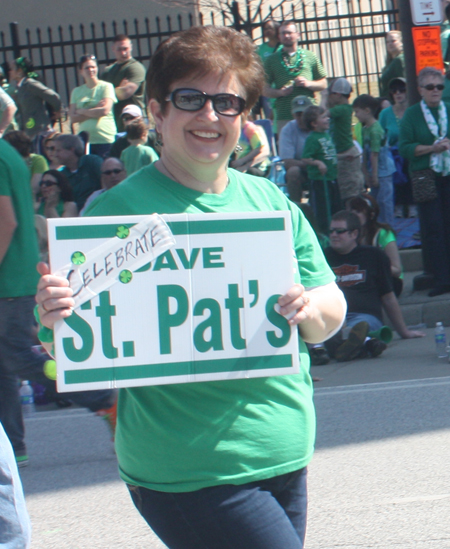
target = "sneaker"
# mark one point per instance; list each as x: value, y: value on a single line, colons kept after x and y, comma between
x: 109, y: 415
x: 352, y: 346
x: 398, y: 211
x: 319, y: 356
x: 375, y: 347
x: 21, y: 459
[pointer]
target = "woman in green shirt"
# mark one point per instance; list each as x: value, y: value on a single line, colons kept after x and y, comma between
x: 395, y: 61
x: 91, y: 107
x: 215, y: 463
x: 425, y: 144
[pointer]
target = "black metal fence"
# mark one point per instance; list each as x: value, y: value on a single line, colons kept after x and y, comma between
x: 348, y: 38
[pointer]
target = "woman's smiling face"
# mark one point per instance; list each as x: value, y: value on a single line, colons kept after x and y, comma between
x: 193, y: 139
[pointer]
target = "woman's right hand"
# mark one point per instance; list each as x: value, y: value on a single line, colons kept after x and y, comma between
x: 54, y: 297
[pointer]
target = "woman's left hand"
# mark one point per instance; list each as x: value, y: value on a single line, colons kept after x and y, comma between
x: 294, y: 304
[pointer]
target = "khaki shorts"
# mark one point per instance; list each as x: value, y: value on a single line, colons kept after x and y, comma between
x: 350, y: 177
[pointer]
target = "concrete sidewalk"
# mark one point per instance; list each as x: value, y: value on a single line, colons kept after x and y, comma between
x: 404, y: 359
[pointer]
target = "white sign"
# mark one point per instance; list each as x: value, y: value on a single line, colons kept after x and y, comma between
x: 203, y: 310
x: 426, y: 12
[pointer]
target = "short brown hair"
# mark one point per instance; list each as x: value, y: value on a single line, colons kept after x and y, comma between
x: 120, y: 38
x: 199, y: 51
x: 311, y: 114
x: 20, y: 141
x: 137, y: 129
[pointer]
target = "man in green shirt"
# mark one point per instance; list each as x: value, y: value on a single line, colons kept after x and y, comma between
x: 292, y: 71
x: 18, y: 283
x: 127, y: 76
x: 349, y: 174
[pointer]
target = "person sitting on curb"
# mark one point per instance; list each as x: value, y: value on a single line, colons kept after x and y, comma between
x: 363, y: 274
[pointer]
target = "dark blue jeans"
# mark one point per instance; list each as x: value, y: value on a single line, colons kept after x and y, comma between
x: 18, y: 360
x: 268, y: 514
x: 435, y: 228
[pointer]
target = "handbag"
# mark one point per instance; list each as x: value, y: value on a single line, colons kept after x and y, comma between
x: 423, y: 185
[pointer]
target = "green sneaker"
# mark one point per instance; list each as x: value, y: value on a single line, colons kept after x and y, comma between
x: 21, y: 459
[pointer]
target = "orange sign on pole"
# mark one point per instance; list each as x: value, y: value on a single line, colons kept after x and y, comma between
x: 427, y: 45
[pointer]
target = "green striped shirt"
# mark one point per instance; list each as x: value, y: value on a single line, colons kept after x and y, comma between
x: 278, y: 75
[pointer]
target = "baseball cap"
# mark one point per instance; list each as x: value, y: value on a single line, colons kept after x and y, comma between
x: 300, y: 103
x: 342, y: 86
x: 132, y: 110
x: 397, y: 82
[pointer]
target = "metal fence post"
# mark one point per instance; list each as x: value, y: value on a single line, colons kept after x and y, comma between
x: 14, y: 30
x: 236, y: 16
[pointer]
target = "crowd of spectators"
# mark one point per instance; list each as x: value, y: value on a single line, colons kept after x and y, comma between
x: 400, y: 156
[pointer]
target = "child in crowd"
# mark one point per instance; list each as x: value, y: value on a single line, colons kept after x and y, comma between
x: 378, y: 164
x: 349, y: 174
x: 137, y: 155
x: 320, y: 157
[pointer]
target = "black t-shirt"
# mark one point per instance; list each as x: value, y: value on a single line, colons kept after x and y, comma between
x: 364, y: 275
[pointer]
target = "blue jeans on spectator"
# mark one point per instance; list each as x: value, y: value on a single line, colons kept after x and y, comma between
x: 353, y: 318
x: 267, y: 514
x: 17, y: 359
x: 384, y: 195
x: 15, y: 527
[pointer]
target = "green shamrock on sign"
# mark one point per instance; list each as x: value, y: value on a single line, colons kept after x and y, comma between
x: 122, y: 231
x: 125, y: 276
x: 78, y: 258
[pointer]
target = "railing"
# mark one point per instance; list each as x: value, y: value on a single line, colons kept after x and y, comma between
x: 347, y: 37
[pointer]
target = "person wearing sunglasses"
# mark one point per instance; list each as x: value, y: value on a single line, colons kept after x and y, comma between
x: 389, y: 120
x: 91, y: 107
x: 56, y: 196
x: 424, y: 142
x: 48, y: 146
x: 216, y: 464
x: 113, y: 172
x: 363, y: 273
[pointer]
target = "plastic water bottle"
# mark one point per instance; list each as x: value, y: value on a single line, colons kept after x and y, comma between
x: 441, y: 343
x: 27, y: 399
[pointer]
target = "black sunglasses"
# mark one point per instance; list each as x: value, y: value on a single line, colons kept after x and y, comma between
x: 226, y: 104
x: 431, y: 87
x: 398, y: 90
x: 339, y: 231
x: 109, y: 172
x: 47, y: 183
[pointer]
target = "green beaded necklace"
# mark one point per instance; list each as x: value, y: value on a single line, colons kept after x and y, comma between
x: 293, y: 64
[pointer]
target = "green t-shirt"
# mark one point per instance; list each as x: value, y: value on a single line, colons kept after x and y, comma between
x: 320, y: 146
x: 264, y: 50
x: 394, y: 69
x: 277, y: 74
x: 37, y: 164
x: 383, y: 237
x: 18, y: 275
x: 101, y: 130
x: 390, y: 124
x: 136, y: 157
x: 341, y: 127
x: 374, y: 137
x: 184, y: 437
x: 133, y: 71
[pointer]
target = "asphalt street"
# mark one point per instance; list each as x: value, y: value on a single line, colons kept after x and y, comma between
x: 379, y: 478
